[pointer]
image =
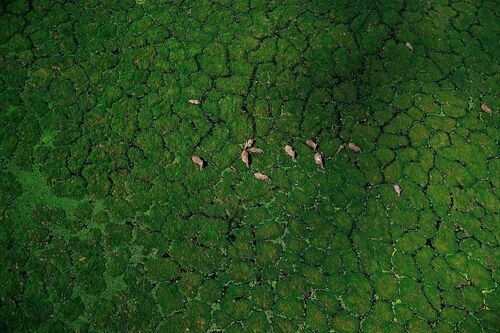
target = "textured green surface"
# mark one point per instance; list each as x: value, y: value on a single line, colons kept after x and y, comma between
x: 107, y: 225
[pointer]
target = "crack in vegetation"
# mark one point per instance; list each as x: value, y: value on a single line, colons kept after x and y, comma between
x: 106, y: 225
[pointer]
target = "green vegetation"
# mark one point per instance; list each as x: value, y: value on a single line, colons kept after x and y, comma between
x: 107, y: 225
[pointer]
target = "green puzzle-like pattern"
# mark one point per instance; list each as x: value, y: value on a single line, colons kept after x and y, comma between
x: 107, y: 225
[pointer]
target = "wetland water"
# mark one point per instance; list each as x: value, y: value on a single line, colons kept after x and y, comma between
x: 107, y: 225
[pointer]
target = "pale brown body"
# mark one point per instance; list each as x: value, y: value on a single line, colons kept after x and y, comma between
x: 198, y: 161
x: 486, y: 108
x: 318, y: 159
x: 248, y: 144
x: 355, y: 148
x: 311, y: 144
x: 261, y: 176
x: 397, y: 189
x: 255, y: 150
x: 291, y: 152
x: 340, y: 148
x: 194, y: 101
x: 409, y: 46
x: 245, y: 157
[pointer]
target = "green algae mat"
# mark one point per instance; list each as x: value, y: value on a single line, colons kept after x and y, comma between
x: 107, y: 225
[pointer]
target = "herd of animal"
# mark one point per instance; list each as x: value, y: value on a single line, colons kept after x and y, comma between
x: 249, y: 149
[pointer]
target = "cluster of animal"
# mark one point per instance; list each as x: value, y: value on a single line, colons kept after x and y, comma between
x: 249, y: 149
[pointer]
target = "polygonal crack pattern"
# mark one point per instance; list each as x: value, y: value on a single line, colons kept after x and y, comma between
x: 107, y: 225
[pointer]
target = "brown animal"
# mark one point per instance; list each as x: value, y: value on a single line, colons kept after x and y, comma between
x: 397, y: 189
x: 245, y: 157
x: 485, y: 108
x: 255, y: 150
x: 355, y: 148
x: 409, y: 46
x: 318, y: 159
x: 248, y: 144
x: 340, y: 148
x: 292, y: 153
x: 261, y: 176
x: 198, y: 161
x: 194, y: 101
x: 312, y: 144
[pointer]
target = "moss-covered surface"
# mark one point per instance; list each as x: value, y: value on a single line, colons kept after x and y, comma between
x: 107, y: 225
